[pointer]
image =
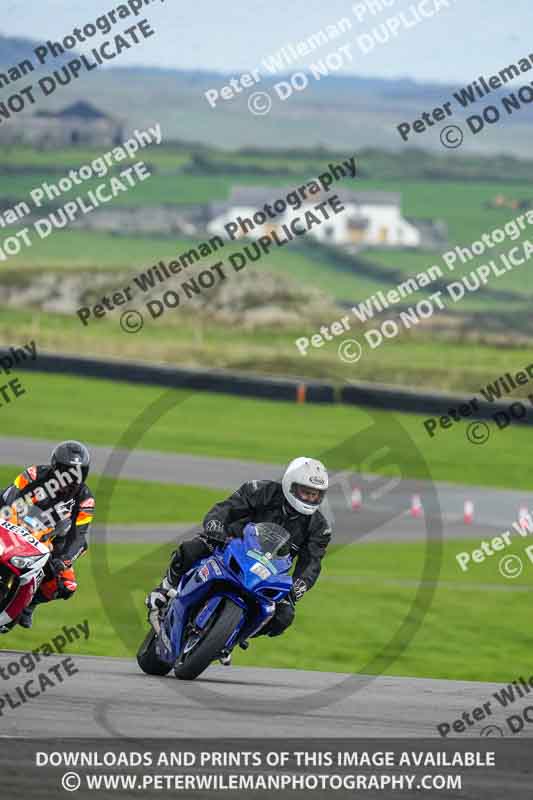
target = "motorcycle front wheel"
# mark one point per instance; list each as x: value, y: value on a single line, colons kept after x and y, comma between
x: 147, y: 658
x: 209, y: 647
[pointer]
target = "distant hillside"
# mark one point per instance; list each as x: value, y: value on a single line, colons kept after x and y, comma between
x: 336, y: 112
x: 15, y: 49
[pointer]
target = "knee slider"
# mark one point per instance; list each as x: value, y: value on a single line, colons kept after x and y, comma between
x: 66, y: 589
x: 281, y: 620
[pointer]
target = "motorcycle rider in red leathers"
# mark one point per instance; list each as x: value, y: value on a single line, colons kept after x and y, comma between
x: 70, y: 461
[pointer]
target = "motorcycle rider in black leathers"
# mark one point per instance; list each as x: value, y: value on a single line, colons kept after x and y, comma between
x: 73, y: 500
x: 293, y: 504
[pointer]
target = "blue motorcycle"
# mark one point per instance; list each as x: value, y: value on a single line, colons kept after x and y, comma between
x: 224, y: 600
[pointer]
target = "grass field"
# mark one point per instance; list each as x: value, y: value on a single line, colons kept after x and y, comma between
x: 376, y: 163
x: 74, y: 157
x: 233, y: 427
x: 72, y: 251
x: 139, y: 501
x: 188, y: 340
x: 517, y: 280
x: 460, y: 204
x: 359, y: 604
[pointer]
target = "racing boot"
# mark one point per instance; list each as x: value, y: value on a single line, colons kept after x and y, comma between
x: 26, y: 618
x: 225, y: 658
x: 159, y: 597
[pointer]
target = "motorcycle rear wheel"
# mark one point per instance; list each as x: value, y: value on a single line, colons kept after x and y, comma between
x: 213, y: 642
x: 147, y: 658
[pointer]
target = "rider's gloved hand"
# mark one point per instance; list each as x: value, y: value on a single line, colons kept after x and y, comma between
x: 55, y: 566
x: 214, y: 532
x: 299, y: 588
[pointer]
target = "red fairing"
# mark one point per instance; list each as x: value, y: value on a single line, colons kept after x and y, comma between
x: 22, y: 599
x: 13, y: 544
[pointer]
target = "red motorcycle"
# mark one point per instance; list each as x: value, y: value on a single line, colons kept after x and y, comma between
x: 25, y: 546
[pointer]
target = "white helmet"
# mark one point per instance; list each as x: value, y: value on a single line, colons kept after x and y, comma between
x: 307, y: 473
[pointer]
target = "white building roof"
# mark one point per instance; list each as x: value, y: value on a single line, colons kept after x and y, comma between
x: 257, y: 196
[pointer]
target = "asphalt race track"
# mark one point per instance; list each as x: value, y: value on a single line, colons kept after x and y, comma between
x: 112, y: 697
x: 384, y: 516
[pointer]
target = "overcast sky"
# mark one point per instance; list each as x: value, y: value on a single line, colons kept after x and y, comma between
x: 470, y: 38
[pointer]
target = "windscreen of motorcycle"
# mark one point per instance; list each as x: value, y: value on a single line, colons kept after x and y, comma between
x: 37, y: 522
x: 274, y: 541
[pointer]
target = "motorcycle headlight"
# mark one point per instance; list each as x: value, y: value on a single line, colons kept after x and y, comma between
x: 24, y: 562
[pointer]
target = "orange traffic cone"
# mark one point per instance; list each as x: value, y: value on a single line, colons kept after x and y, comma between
x: 524, y: 518
x: 357, y: 499
x: 468, y: 512
x: 416, y: 506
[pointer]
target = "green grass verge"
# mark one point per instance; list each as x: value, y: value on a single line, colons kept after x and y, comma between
x: 189, y: 340
x: 518, y: 280
x: 75, y: 250
x: 153, y: 191
x: 233, y: 427
x: 414, y: 164
x: 359, y: 603
x: 74, y: 157
x: 140, y: 501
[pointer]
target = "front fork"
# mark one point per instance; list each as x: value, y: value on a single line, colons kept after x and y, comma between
x: 6, y: 587
x: 21, y: 599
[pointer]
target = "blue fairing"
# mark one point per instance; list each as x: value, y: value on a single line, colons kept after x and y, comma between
x: 243, y: 572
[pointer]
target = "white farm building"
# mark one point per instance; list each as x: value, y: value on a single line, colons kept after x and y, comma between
x: 371, y: 219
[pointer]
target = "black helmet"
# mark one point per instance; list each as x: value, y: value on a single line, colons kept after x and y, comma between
x: 71, y: 454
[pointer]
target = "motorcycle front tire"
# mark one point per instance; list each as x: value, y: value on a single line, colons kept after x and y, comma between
x: 147, y: 658
x: 208, y: 649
